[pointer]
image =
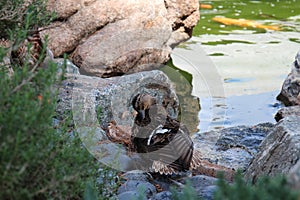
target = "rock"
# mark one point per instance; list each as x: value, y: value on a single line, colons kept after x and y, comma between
x: 136, y: 175
x: 131, y: 195
x: 232, y: 147
x: 294, y: 176
x: 110, y: 99
x: 165, y: 195
x: 287, y: 111
x: 140, y: 187
x: 65, y: 8
x: 290, y: 92
x: 94, y: 102
x: 205, y: 186
x: 208, y: 192
x: 70, y: 67
x: 201, y: 181
x: 113, y: 37
x: 279, y: 152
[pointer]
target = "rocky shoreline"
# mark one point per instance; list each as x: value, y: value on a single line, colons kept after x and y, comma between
x: 107, y: 39
x: 96, y: 48
x: 263, y: 149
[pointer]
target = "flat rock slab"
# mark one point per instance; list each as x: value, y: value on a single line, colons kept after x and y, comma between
x: 280, y: 150
x: 233, y: 147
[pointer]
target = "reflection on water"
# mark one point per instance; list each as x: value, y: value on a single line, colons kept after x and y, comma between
x: 189, y: 105
x: 238, y: 71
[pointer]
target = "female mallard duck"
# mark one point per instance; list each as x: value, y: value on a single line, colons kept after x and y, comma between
x: 163, y: 142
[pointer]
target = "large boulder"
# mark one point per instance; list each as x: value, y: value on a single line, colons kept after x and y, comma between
x: 94, y: 102
x: 94, y: 99
x: 279, y: 152
x: 290, y: 92
x: 113, y: 37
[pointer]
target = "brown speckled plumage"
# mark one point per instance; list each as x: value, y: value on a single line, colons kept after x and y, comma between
x: 162, y: 140
x: 163, y: 143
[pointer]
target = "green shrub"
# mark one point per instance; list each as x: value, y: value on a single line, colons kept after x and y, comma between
x: 266, y: 188
x: 38, y: 160
x: 13, y: 15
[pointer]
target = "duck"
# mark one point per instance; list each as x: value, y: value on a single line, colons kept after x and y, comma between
x: 162, y: 141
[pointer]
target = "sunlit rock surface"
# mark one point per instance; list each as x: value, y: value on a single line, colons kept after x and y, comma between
x: 279, y: 152
x: 108, y: 38
x: 290, y: 92
x: 232, y: 147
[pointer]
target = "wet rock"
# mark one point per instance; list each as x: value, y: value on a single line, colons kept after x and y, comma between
x: 290, y: 92
x: 279, y: 152
x: 232, y: 147
x: 287, y: 111
x: 108, y: 38
x: 140, y: 187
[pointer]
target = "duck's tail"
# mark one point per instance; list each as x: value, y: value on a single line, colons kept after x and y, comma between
x: 201, y: 166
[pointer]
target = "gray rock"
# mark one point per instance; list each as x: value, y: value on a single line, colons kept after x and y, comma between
x: 70, y: 67
x: 287, y: 111
x: 136, y: 175
x: 280, y: 150
x: 207, y: 193
x: 232, y: 147
x: 290, y: 92
x: 201, y: 181
x: 132, y: 195
x: 140, y: 187
x: 94, y: 102
x: 112, y: 37
x: 165, y: 195
x: 294, y: 176
x: 204, y: 185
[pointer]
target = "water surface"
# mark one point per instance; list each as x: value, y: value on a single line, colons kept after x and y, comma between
x: 236, y: 72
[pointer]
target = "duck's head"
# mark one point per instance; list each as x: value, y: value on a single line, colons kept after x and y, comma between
x: 142, y: 103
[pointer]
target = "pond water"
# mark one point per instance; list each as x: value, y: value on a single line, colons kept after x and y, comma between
x: 236, y: 72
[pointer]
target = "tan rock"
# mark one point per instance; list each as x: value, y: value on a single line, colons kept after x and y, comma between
x: 112, y: 37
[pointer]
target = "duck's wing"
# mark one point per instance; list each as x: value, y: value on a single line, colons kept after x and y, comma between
x: 196, y: 160
x: 174, y: 150
x: 162, y: 168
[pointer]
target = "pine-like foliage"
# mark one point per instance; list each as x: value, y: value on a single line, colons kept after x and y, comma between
x: 38, y: 160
